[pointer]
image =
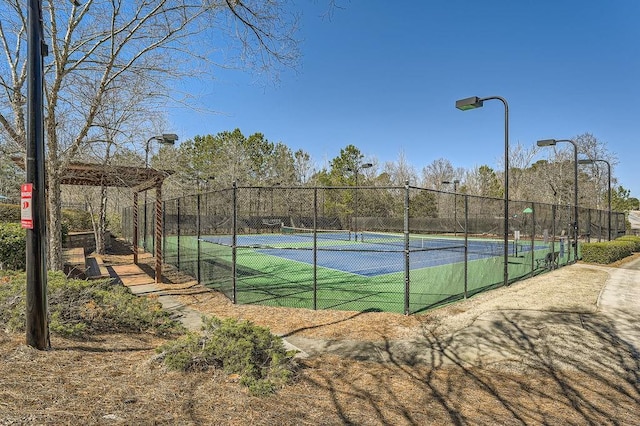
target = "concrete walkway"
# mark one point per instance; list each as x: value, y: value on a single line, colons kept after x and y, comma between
x: 619, y: 301
x: 141, y: 284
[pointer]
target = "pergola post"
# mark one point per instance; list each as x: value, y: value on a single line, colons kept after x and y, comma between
x: 158, y: 237
x: 135, y: 227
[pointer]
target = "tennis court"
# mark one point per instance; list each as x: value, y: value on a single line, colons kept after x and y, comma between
x: 283, y: 269
x: 377, y: 253
x: 396, y: 249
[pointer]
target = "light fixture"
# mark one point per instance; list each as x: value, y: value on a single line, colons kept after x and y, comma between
x: 589, y: 161
x: 355, y: 171
x: 469, y: 103
x: 553, y: 142
x: 476, y: 102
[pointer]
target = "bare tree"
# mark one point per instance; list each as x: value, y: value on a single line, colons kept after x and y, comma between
x: 400, y: 171
x: 595, y: 177
x: 303, y: 165
x: 520, y: 158
x: 483, y: 181
x: 96, y: 46
x: 552, y: 180
x: 435, y: 173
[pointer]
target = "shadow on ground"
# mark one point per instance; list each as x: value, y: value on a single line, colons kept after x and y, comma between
x: 521, y: 367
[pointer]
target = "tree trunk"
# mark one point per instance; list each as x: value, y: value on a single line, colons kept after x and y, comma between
x: 55, y: 223
x: 102, y: 222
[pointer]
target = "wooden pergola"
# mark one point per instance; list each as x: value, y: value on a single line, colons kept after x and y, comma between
x: 139, y: 179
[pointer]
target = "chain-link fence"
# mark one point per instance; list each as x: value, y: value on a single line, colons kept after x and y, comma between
x: 398, y: 249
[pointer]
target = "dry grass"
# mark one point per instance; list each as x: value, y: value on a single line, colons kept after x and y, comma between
x: 537, y: 352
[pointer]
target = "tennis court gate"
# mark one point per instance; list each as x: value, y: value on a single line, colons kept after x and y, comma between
x: 399, y: 249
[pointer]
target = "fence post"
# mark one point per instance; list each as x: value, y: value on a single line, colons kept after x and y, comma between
x: 198, y: 238
x: 234, y: 241
x: 466, y: 244
x: 178, y: 235
x: 533, y: 236
x: 315, y: 248
x: 569, y: 235
x: 164, y: 231
x: 553, y: 228
x: 600, y: 225
x: 407, y: 283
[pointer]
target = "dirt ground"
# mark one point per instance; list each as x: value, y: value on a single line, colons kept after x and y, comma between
x: 537, y: 352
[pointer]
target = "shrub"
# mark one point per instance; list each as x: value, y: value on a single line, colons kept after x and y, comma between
x: 606, y: 252
x: 237, y: 347
x: 114, y: 222
x: 12, y: 246
x: 76, y: 220
x: 9, y: 213
x: 633, y: 239
x: 79, y: 307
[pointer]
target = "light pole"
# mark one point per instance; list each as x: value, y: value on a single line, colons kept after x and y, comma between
x: 355, y: 171
x: 164, y: 139
x: 553, y: 142
x: 609, y: 184
x: 476, y: 102
x: 455, y: 183
x: 37, y: 323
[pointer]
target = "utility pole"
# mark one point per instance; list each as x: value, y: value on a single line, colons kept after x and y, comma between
x: 37, y: 323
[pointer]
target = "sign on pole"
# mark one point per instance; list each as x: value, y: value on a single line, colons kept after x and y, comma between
x: 26, y: 205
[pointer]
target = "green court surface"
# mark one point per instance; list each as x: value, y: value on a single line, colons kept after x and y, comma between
x: 263, y: 278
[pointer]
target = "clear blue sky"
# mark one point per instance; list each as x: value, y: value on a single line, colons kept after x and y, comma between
x: 385, y: 75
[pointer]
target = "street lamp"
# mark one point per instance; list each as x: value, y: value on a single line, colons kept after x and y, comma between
x: 163, y: 139
x: 476, y: 102
x: 355, y: 171
x: 609, y: 184
x: 553, y: 142
x: 455, y: 183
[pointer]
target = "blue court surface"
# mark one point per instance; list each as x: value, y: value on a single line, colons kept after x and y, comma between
x: 373, y: 263
x: 384, y: 256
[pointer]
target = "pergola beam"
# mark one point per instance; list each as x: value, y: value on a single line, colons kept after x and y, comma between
x: 139, y: 179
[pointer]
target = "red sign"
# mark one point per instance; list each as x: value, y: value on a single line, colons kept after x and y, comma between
x: 26, y: 206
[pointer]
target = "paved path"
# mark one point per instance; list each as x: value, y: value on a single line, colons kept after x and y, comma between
x: 620, y: 300
x: 141, y: 284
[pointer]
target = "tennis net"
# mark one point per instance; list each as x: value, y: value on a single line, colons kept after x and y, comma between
x: 432, y: 242
x: 330, y: 234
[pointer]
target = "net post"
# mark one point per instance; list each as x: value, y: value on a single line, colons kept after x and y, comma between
x: 315, y: 248
x: 234, y: 241
x: 407, y: 284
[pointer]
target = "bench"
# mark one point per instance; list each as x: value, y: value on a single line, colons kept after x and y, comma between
x: 75, y: 262
x: 550, y: 260
x: 95, y: 268
x: 78, y: 265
